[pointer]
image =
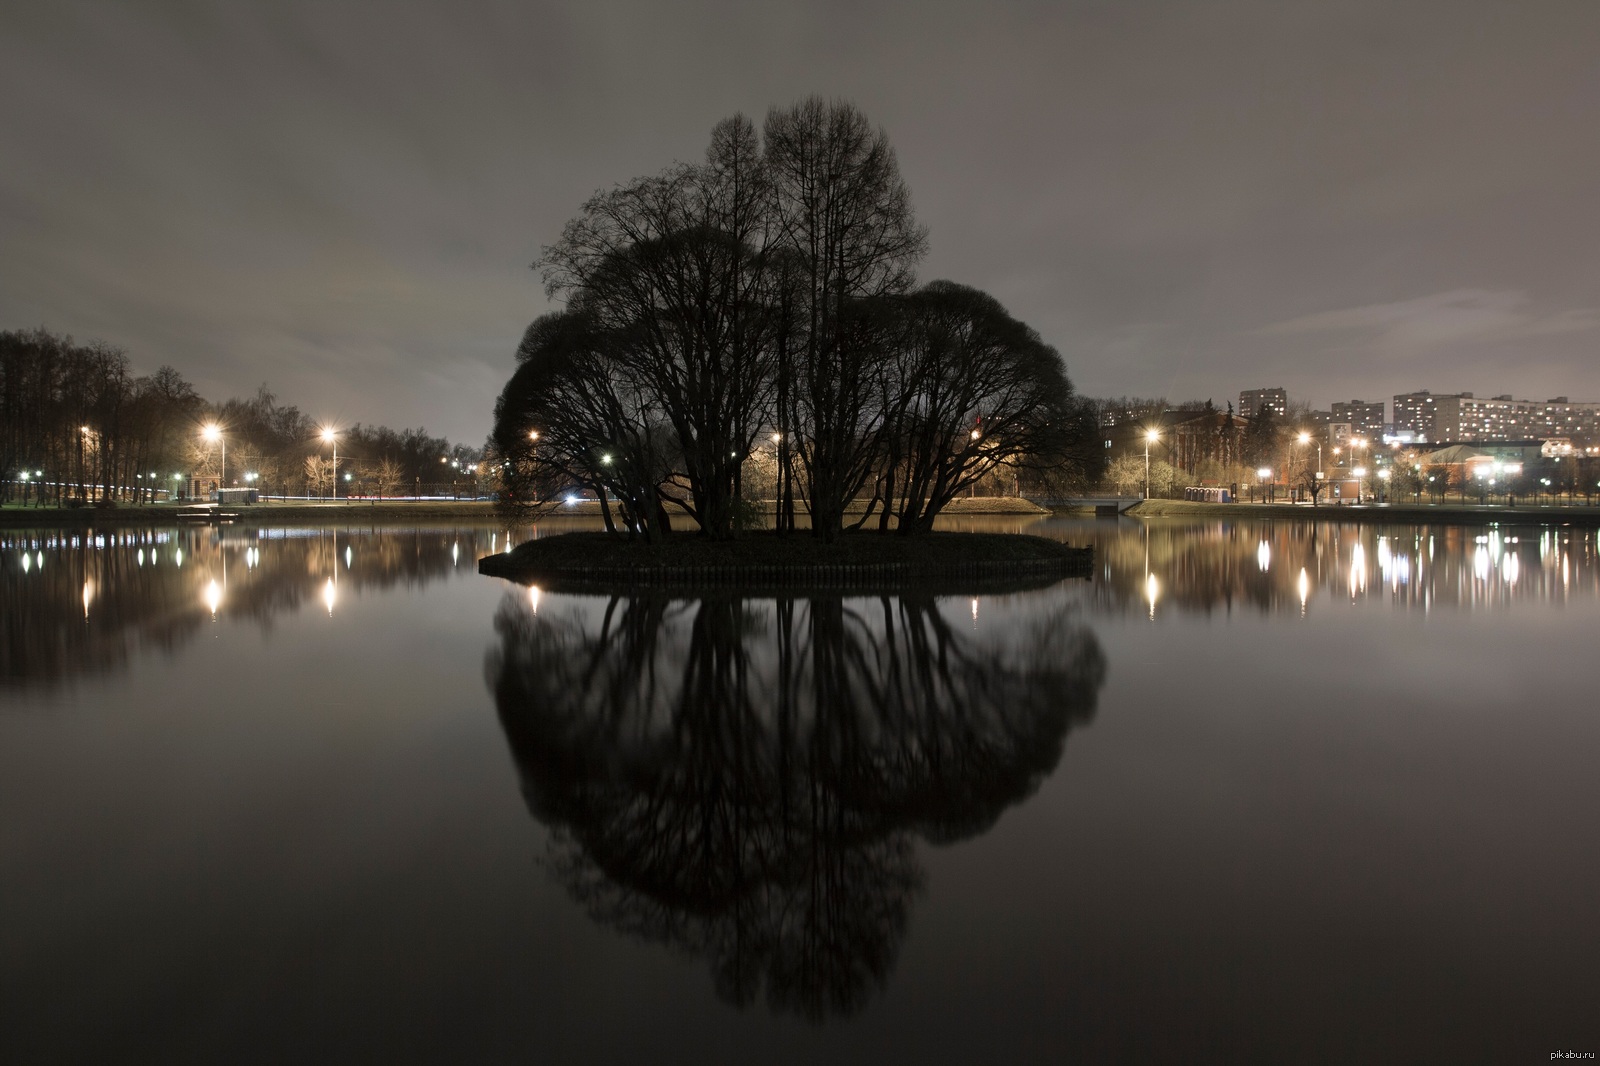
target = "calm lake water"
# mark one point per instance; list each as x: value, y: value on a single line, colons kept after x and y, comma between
x: 1253, y: 793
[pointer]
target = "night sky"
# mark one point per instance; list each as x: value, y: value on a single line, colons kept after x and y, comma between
x: 342, y: 200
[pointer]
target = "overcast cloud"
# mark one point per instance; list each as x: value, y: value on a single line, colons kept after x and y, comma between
x: 343, y: 200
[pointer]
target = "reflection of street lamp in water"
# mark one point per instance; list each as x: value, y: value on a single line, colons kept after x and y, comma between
x: 330, y: 591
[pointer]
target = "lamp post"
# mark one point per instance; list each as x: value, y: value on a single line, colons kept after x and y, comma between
x: 213, y: 432
x: 1150, y: 437
x: 1305, y: 438
x: 1355, y: 443
x: 332, y: 438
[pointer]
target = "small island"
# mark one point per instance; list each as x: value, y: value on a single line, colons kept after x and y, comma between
x: 939, y: 563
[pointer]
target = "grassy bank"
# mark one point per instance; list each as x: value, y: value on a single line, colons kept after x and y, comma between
x: 943, y: 562
x: 1442, y: 513
x: 260, y: 514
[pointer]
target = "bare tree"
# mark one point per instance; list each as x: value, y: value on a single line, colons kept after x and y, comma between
x: 973, y: 390
x: 318, y: 475
x: 575, y: 413
x: 670, y: 271
x: 844, y: 216
x: 386, y: 474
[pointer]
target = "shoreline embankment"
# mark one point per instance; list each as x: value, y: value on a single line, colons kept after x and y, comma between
x: 1460, y: 514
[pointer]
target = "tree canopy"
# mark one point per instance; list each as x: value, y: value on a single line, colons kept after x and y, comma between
x: 760, y: 308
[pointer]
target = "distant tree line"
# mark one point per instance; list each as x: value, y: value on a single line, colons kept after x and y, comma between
x: 756, y: 316
x: 77, y: 423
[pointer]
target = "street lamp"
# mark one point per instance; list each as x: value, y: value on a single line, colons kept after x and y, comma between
x: 1150, y: 437
x: 1265, y: 476
x: 213, y: 433
x: 1360, y: 472
x: 329, y: 435
x: 1305, y: 438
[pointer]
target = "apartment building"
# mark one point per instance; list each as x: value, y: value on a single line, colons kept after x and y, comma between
x: 1275, y: 400
x: 1365, y: 419
x: 1419, y: 413
x: 1465, y: 417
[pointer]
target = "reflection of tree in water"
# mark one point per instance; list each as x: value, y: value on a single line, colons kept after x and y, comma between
x: 742, y: 780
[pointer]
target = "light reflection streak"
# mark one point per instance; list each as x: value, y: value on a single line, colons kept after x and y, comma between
x: 1509, y: 568
x: 213, y: 597
x: 1264, y: 556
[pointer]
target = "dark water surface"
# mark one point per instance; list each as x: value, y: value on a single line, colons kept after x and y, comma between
x: 1254, y: 793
